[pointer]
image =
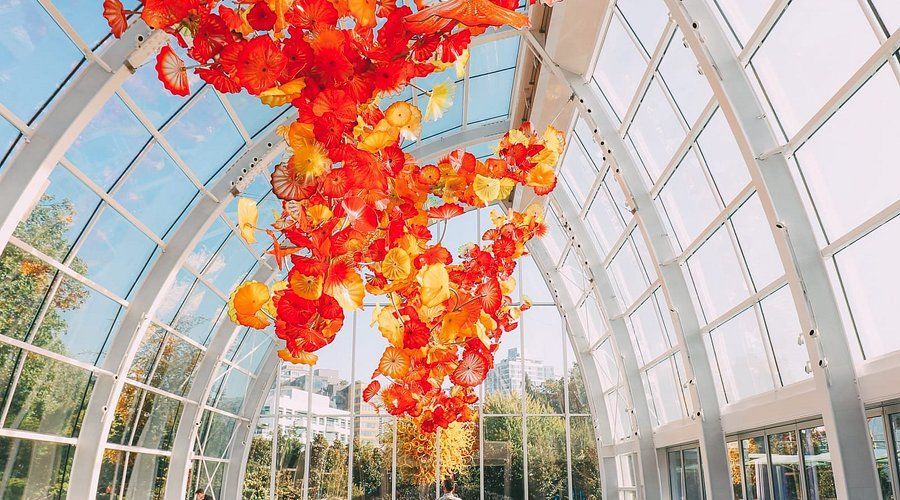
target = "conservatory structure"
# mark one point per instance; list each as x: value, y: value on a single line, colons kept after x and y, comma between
x: 714, y: 307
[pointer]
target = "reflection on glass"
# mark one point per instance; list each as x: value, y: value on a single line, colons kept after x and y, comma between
x: 785, y: 466
x: 372, y: 456
x: 895, y: 431
x: 734, y: 465
x: 208, y: 476
x: 329, y: 459
x: 693, y: 475
x: 585, y: 464
x: 145, y: 419
x: 503, y: 457
x: 132, y: 475
x: 817, y: 464
x: 882, y: 457
x: 676, y: 473
x: 48, y: 397
x: 33, y: 469
x: 756, y: 470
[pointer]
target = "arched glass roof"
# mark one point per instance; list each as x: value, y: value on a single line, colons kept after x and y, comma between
x: 719, y: 267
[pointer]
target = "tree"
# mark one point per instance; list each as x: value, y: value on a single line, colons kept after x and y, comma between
x: 33, y: 299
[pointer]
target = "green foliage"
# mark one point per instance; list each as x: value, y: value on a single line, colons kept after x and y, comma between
x: 33, y: 299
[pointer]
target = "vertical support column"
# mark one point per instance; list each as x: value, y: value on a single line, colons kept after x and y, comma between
x: 853, y: 462
x: 717, y: 476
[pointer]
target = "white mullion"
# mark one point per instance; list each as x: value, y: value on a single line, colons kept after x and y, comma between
x: 353, y: 409
x: 159, y: 392
x: 138, y: 449
x: 684, y: 147
x: 179, y: 335
x: 639, y: 301
x: 620, y: 242
x: 25, y: 346
x: 261, y: 258
x: 647, y: 78
x: 37, y: 436
x: 205, y: 281
x: 16, y: 122
x: 884, y: 53
x: 229, y: 109
x: 225, y: 413
x: 762, y: 30
x: 14, y: 240
x: 112, y: 202
x: 860, y: 231
x: 73, y: 35
x: 745, y: 304
x: 164, y: 143
x: 714, y: 225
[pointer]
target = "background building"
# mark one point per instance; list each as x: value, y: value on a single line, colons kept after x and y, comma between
x: 508, y: 373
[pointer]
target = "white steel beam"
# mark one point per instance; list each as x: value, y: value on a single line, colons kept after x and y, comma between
x: 25, y: 177
x: 99, y: 413
x: 826, y: 340
x: 705, y: 404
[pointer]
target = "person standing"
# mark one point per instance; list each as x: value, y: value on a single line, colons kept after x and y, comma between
x: 449, y: 490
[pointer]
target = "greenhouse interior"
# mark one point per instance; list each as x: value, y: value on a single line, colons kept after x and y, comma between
x: 450, y: 249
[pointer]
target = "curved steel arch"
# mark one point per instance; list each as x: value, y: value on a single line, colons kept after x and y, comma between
x: 675, y: 288
x: 99, y: 413
x: 831, y: 358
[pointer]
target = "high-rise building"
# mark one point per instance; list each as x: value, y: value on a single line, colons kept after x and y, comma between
x: 507, y: 375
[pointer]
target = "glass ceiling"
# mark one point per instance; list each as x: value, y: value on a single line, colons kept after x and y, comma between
x: 123, y: 259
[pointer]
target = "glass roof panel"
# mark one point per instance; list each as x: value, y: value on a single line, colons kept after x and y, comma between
x: 801, y: 63
x: 205, y: 137
x: 36, y: 56
x: 647, y: 18
x: 619, y: 68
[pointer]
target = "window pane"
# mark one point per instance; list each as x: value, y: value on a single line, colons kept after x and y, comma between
x: 817, y: 462
x: 657, y: 131
x: 503, y: 458
x: 862, y: 134
x: 34, y: 469
x: 785, y: 466
x: 784, y: 329
x: 547, y: 476
x: 132, y: 475
x: 800, y: 77
x: 693, y: 474
x: 741, y: 355
x: 734, y: 464
x: 869, y: 272
x: 676, y: 475
x: 619, y: 67
x: 717, y: 276
x: 882, y: 457
x: 756, y: 468
x: 585, y: 465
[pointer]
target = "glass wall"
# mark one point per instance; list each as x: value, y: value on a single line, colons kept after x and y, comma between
x: 534, y: 437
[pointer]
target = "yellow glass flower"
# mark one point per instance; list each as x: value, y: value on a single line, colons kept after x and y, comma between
x: 310, y: 159
x: 248, y: 215
x: 396, y: 264
x: 487, y: 189
x: 350, y: 292
x: 302, y: 358
x: 394, y: 363
x: 440, y: 99
x: 306, y: 287
x: 435, y: 283
x: 283, y: 94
